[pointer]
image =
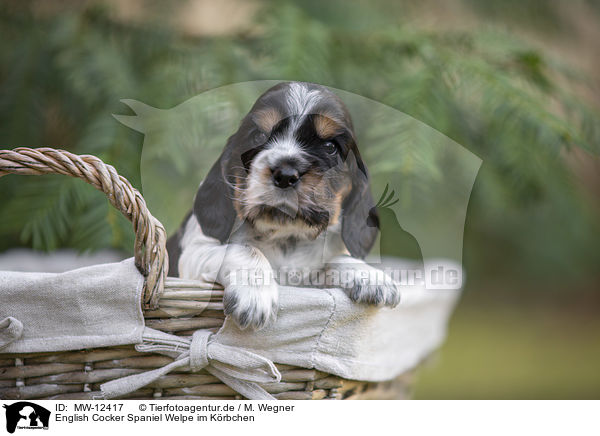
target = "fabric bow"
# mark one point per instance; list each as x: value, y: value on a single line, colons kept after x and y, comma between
x: 11, y: 329
x: 238, y: 368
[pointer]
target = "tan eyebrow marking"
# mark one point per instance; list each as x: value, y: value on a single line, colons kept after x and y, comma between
x: 326, y: 127
x: 267, y: 118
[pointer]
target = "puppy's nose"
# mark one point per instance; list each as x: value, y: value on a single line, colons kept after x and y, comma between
x: 285, y: 176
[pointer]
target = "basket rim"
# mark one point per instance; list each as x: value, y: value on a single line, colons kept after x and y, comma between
x: 151, y: 257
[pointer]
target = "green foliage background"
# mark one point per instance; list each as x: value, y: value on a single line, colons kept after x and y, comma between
x: 519, y: 107
x: 63, y: 74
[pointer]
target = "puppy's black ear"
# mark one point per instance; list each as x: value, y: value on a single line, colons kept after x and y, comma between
x: 213, y: 205
x: 358, y: 210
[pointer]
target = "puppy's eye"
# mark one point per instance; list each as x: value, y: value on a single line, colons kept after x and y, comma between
x: 330, y: 147
x: 259, y: 138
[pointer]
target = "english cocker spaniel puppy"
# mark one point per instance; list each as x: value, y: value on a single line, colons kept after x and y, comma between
x: 287, y: 199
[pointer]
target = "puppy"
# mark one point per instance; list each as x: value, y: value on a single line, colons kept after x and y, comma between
x: 289, y: 191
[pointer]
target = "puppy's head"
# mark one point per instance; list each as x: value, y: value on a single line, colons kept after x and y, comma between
x: 291, y: 170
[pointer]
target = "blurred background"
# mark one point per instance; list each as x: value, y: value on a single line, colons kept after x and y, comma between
x: 514, y: 82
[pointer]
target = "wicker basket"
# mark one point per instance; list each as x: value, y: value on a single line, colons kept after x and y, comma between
x: 170, y: 304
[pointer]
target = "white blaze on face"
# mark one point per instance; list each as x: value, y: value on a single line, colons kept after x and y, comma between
x: 300, y: 102
x: 282, y: 149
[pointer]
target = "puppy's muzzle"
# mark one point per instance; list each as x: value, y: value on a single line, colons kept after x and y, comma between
x: 285, y: 176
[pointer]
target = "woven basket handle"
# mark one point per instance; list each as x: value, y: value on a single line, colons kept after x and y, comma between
x: 150, y: 236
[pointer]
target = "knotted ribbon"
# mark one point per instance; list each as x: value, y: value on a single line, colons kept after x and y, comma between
x: 237, y: 368
x: 11, y: 329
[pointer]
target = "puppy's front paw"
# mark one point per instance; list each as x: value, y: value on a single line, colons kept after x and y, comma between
x: 371, y: 286
x: 252, y: 306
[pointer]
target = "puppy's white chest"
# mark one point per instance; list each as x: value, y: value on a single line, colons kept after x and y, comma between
x: 302, y: 254
x: 294, y: 255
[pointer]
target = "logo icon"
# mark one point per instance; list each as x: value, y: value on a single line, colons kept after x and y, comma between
x: 26, y: 415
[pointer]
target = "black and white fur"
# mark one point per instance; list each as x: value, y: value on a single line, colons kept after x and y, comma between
x: 289, y: 190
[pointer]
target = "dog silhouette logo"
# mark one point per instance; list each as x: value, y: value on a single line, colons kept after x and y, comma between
x: 26, y: 415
